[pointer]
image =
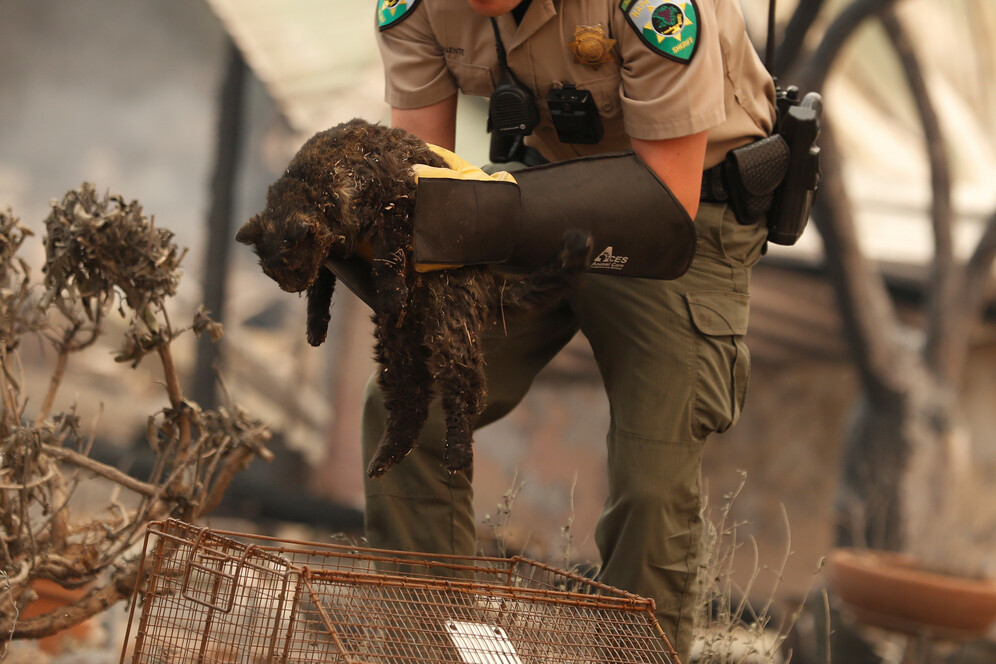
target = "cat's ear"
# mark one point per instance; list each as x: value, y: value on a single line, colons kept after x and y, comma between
x: 250, y: 231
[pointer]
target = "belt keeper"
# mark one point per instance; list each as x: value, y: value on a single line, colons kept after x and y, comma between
x: 713, y: 186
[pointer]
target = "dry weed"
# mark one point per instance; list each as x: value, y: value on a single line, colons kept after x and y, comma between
x: 102, y: 255
x: 731, y: 630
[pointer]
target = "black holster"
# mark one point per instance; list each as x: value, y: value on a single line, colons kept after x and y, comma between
x: 793, y: 201
x: 775, y: 178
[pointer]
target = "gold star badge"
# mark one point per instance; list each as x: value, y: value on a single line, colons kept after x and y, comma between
x: 591, y: 46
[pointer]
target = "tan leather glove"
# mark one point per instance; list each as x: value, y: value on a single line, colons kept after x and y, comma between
x: 458, y: 169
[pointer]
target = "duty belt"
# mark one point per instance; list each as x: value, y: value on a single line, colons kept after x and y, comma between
x: 714, y: 189
x: 747, y: 178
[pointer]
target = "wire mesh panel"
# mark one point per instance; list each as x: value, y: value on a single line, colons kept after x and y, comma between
x: 214, y: 596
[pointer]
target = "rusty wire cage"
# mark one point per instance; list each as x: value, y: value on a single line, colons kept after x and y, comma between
x: 214, y: 596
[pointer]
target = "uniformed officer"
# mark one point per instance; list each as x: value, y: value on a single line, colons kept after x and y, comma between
x: 680, y: 84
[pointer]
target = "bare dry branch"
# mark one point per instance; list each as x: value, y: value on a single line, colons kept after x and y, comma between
x: 105, y: 471
x: 794, y: 37
x: 979, y: 271
x: 100, y: 254
x: 946, y: 326
x: 867, y: 312
x: 814, y: 74
x: 120, y: 587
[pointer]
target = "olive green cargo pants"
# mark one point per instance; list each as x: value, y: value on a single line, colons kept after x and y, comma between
x: 675, y: 369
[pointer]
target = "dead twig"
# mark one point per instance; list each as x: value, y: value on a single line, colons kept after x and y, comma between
x: 101, y: 254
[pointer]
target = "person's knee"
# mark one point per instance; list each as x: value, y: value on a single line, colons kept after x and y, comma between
x: 651, y: 475
x: 372, y: 398
x: 372, y: 418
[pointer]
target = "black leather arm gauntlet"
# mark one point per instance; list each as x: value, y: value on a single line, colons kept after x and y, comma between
x: 637, y: 225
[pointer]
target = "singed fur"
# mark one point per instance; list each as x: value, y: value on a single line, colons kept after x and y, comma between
x: 351, y: 186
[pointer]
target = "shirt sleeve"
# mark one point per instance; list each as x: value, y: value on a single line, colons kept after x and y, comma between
x: 415, y: 72
x: 662, y: 98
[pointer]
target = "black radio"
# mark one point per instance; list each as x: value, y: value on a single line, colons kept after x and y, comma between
x: 512, y: 115
x: 513, y: 108
x: 512, y: 112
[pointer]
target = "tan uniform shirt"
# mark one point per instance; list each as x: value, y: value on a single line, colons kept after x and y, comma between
x: 442, y: 46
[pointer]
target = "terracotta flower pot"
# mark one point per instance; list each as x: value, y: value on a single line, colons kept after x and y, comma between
x: 889, y: 590
x: 51, y: 596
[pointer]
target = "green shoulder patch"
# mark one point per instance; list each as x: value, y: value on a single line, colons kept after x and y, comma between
x: 391, y: 12
x: 669, y: 28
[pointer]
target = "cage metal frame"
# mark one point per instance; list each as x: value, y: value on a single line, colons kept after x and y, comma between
x: 215, y: 596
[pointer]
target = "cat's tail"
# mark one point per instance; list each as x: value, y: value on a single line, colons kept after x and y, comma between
x: 552, y: 281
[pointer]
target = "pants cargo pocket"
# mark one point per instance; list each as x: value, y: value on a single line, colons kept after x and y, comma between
x: 723, y: 359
